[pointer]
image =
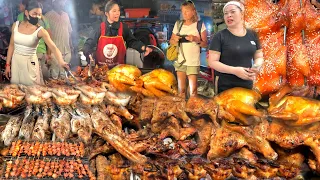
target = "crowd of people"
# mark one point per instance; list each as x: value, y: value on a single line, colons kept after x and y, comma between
x: 41, y: 46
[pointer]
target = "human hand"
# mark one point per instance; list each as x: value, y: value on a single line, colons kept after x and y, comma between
x: 48, y: 58
x: 193, y: 38
x: 148, y: 50
x: 245, y: 73
x: 65, y: 65
x: 8, y: 72
x: 256, y: 68
x: 177, y: 38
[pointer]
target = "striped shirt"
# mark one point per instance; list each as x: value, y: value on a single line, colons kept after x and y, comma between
x: 60, y: 29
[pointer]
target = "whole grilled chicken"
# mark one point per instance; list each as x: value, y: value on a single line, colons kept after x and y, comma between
x: 296, y: 111
x: 159, y: 82
x: 123, y: 76
x: 239, y: 102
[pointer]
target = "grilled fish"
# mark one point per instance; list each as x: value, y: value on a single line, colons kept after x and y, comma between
x: 11, y: 130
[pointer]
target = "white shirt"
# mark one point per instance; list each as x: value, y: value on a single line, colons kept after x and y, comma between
x: 191, y: 50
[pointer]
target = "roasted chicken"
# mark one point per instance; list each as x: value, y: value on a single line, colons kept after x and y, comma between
x: 265, y: 16
x: 298, y: 65
x: 296, y: 111
x: 229, y: 138
x: 291, y: 137
x: 158, y: 82
x: 273, y: 74
x: 169, y: 106
x: 312, y: 40
x: 123, y: 76
x: 239, y: 102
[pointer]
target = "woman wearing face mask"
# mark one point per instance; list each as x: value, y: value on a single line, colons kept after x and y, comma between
x: 112, y: 34
x: 22, y: 64
x: 188, y: 63
x: 232, y: 51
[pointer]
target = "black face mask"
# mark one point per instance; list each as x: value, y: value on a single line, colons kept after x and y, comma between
x: 33, y: 20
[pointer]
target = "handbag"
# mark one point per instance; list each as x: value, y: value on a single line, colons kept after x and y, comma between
x: 173, y: 50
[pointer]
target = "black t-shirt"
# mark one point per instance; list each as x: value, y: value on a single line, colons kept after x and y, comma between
x: 235, y: 51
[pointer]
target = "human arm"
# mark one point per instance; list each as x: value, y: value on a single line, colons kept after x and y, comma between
x: 258, y: 55
x: 10, y: 53
x: 45, y: 36
x: 132, y: 42
x: 174, y: 37
x: 203, y: 42
x: 258, y: 61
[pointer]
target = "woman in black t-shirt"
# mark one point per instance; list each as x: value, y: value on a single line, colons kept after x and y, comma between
x: 234, y: 50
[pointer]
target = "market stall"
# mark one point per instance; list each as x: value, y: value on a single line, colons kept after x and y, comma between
x: 119, y: 123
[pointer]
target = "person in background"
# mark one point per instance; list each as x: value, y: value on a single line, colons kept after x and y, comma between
x: 316, y: 3
x: 22, y: 8
x: 22, y: 64
x: 61, y: 29
x: 43, y: 53
x: 217, y: 16
x: 115, y: 33
x: 188, y: 63
x: 98, y: 10
x: 232, y: 51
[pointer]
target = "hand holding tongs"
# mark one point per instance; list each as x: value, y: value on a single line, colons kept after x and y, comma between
x: 67, y: 71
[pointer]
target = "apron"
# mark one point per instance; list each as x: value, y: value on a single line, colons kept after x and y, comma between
x: 111, y: 50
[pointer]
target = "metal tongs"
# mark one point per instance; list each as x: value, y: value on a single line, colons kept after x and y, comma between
x: 91, y: 65
x: 67, y: 71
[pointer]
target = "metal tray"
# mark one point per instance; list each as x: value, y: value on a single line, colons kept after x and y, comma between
x: 45, y: 178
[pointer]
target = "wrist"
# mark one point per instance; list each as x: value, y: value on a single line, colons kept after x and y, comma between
x: 234, y: 70
x: 143, y: 48
x: 7, y: 65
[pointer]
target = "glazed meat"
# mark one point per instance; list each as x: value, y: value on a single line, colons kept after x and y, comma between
x: 169, y: 106
x: 197, y: 106
x: 230, y: 138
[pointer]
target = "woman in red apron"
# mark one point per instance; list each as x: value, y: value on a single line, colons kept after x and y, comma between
x: 111, y: 39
